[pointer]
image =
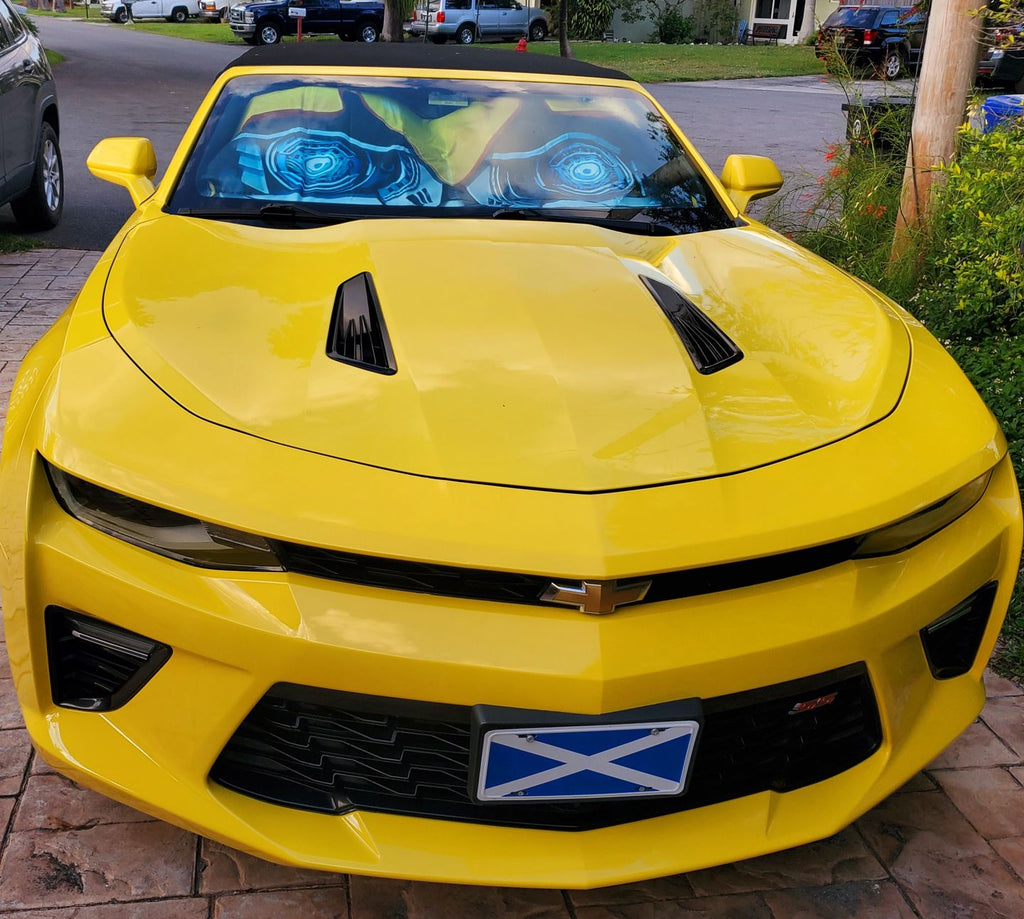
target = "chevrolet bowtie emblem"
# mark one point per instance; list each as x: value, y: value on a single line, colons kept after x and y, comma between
x: 596, y: 597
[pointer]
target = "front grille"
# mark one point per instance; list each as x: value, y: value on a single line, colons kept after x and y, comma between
x: 333, y: 752
x: 510, y: 587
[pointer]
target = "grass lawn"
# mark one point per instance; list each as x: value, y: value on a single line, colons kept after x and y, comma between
x: 668, y: 63
x: 10, y: 242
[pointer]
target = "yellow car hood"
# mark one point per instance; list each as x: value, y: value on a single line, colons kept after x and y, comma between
x: 528, y: 354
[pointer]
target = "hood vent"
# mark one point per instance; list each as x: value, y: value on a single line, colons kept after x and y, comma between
x: 709, y: 347
x: 358, y: 335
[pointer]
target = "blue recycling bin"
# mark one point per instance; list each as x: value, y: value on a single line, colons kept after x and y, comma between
x: 999, y: 111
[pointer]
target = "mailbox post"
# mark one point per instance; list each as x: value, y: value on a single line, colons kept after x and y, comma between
x: 297, y: 12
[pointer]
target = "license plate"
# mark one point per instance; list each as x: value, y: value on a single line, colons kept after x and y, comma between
x: 638, y: 760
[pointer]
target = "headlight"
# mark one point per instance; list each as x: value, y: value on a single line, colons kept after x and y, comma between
x: 165, y: 532
x: 250, y: 17
x: 910, y: 531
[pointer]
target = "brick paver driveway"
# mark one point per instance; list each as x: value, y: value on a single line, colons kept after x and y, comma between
x: 949, y: 845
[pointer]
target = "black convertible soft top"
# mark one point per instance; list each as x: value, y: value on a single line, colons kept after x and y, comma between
x: 417, y: 54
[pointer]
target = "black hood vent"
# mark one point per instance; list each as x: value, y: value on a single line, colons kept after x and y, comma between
x: 709, y: 347
x: 358, y: 335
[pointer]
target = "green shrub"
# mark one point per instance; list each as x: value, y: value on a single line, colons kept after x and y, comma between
x: 674, y: 28
x: 972, y: 280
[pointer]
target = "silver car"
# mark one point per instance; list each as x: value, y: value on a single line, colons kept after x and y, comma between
x: 468, y: 21
x: 31, y: 173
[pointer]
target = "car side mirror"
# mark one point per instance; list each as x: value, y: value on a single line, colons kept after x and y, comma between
x: 748, y: 177
x: 127, y: 161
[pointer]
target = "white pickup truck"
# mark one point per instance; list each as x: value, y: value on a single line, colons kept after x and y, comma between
x: 171, y: 10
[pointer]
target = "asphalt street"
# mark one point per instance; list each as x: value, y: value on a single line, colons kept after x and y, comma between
x: 116, y: 81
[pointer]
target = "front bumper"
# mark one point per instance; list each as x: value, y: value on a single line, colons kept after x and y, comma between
x: 234, y: 636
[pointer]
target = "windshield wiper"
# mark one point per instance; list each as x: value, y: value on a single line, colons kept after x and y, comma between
x: 285, y: 213
x: 646, y: 227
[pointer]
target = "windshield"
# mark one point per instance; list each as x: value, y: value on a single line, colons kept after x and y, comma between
x: 308, y: 147
x: 851, y: 17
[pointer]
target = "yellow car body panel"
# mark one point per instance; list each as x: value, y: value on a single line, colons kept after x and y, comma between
x: 524, y: 386
x: 211, y: 398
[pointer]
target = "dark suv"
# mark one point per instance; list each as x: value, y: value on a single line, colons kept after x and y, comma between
x: 31, y: 173
x: 886, y: 40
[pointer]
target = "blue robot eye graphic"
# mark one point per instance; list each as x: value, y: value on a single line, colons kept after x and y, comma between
x: 309, y: 165
x: 573, y: 168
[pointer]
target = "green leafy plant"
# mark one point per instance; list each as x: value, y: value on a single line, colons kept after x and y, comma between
x: 589, y: 19
x: 671, y: 24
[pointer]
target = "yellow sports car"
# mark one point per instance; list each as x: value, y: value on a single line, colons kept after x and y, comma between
x: 439, y: 476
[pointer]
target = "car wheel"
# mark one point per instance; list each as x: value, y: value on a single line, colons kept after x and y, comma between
x: 179, y: 14
x: 538, y: 31
x: 465, y: 35
x: 121, y: 16
x: 368, y: 31
x: 41, y: 206
x: 268, y: 33
x: 892, y: 66
x: 439, y: 39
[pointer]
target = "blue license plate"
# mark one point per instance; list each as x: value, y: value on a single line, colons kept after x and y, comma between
x: 642, y: 760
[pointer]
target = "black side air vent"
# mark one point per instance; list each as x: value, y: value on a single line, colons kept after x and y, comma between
x: 96, y: 666
x: 358, y: 335
x: 709, y: 347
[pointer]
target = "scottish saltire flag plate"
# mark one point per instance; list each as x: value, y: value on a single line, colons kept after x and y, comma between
x: 647, y: 760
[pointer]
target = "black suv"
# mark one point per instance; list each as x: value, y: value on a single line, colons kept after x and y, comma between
x: 31, y: 173
x: 886, y: 40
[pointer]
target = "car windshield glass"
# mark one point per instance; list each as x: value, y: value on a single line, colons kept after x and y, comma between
x: 386, y: 147
x: 851, y: 17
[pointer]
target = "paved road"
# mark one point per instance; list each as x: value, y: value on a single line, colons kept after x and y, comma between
x: 116, y: 81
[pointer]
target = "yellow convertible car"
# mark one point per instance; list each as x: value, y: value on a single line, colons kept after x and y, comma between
x: 440, y: 477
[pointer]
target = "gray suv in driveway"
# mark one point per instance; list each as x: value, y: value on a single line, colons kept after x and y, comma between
x: 31, y: 174
x: 467, y: 21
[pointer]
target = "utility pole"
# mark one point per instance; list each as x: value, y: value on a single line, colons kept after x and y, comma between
x: 947, y: 74
x: 563, y: 29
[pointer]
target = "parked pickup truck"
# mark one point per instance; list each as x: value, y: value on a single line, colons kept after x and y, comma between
x: 171, y: 10
x: 263, y: 23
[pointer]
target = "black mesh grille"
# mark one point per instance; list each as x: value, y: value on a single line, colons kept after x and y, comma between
x: 709, y: 347
x: 329, y: 751
x: 510, y: 587
x: 358, y: 335
x: 96, y: 666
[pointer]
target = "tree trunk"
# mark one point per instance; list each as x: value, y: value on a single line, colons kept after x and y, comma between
x: 806, y: 27
x: 947, y: 74
x: 563, y: 29
x: 392, y: 30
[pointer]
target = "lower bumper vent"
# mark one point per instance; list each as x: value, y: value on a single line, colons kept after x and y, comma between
x: 95, y: 666
x: 333, y: 752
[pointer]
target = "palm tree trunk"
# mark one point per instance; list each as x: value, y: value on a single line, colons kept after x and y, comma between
x: 393, y: 17
x: 563, y: 29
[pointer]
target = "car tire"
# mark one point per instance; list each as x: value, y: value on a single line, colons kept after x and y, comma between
x: 121, y: 16
x: 538, y: 30
x: 892, y: 64
x: 466, y: 35
x: 41, y: 206
x: 368, y: 31
x: 179, y: 14
x: 439, y: 39
x: 267, y: 33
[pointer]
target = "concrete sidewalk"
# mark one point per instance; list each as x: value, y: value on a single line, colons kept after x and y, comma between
x: 949, y: 845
